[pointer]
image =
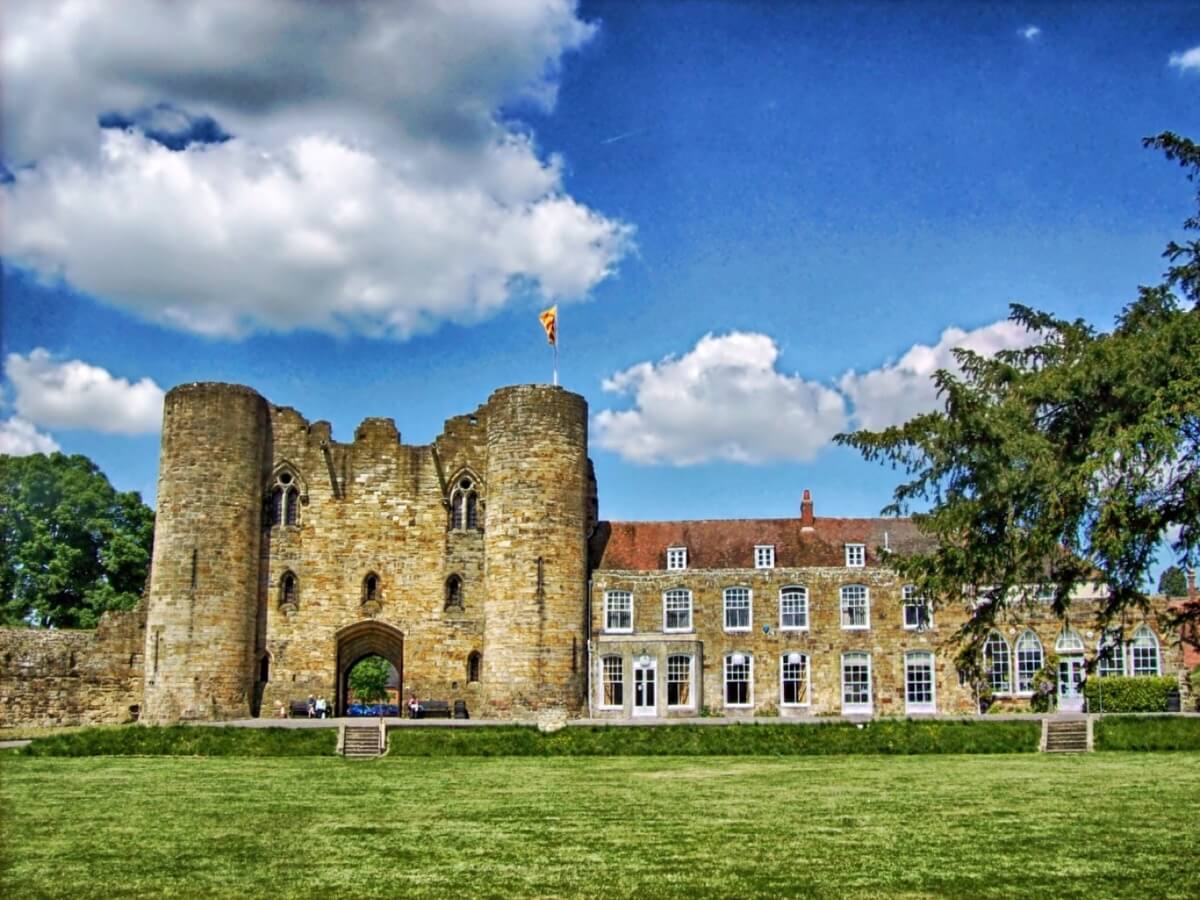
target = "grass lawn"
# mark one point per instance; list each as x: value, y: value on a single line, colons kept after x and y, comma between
x: 1112, y: 824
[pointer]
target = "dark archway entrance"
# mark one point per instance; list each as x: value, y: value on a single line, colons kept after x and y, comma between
x: 360, y: 640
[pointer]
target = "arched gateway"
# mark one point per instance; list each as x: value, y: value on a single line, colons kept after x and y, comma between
x: 360, y: 640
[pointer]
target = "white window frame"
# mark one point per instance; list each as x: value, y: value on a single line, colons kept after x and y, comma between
x: 609, y: 596
x: 749, y: 609
x: 912, y: 601
x: 676, y: 559
x: 1005, y: 687
x: 853, y: 709
x: 725, y: 664
x: 764, y: 556
x: 803, y: 592
x: 866, y: 607
x: 1143, y: 639
x: 691, y: 681
x: 600, y: 682
x: 1018, y: 682
x: 807, y: 664
x: 690, y: 610
x: 1111, y: 655
x: 856, y: 556
x: 918, y: 657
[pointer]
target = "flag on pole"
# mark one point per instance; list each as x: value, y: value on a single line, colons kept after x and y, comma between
x: 549, y: 320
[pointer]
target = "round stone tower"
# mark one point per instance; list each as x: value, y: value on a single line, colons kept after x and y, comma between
x: 204, y: 583
x: 535, y: 548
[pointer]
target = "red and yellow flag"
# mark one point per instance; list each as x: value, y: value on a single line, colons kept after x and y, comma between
x: 549, y: 320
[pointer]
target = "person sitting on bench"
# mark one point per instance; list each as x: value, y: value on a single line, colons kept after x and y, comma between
x: 414, y: 707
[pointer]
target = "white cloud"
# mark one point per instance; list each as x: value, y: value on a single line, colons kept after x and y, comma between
x: 723, y: 400
x: 1029, y: 32
x: 892, y: 394
x: 21, y: 438
x: 73, y: 394
x: 371, y: 183
x: 1188, y: 60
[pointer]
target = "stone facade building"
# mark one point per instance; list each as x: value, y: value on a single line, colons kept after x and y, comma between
x: 477, y: 566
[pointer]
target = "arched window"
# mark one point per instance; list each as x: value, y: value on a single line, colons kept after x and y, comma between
x: 464, y: 505
x: 454, y: 592
x: 473, y: 663
x: 284, y: 507
x: 1068, y: 641
x: 289, y: 591
x: 370, y: 591
x: 1144, y: 652
x: 1030, y: 658
x: 997, y: 662
x: 1111, y: 654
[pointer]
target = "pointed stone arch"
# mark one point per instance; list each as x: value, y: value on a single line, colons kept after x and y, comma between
x: 465, y: 493
x: 358, y: 641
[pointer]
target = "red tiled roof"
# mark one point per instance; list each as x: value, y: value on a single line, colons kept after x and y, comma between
x: 730, y: 543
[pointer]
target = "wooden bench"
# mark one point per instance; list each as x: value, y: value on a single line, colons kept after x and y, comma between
x: 432, y: 709
x: 298, y: 709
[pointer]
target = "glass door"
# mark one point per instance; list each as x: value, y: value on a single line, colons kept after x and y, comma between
x: 645, y: 679
x: 1070, y: 683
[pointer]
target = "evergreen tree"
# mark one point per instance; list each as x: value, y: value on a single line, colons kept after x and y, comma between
x: 1063, y: 464
x: 1172, y: 582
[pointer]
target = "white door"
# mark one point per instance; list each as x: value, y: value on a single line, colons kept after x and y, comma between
x: 1070, y: 683
x: 645, y: 680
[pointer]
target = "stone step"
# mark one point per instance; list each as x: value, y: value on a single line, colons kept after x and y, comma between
x: 1067, y: 737
x: 361, y: 743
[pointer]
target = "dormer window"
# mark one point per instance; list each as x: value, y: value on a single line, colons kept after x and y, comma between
x: 856, y: 556
x: 764, y: 556
x: 676, y: 559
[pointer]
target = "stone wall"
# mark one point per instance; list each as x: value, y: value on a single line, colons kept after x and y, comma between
x: 823, y: 642
x: 54, y: 677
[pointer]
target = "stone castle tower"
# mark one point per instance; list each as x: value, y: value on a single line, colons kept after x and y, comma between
x: 282, y: 557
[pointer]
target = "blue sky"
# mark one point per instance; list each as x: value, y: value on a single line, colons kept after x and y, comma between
x: 758, y: 219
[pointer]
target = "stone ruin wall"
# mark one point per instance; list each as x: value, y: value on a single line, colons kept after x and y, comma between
x: 73, y: 677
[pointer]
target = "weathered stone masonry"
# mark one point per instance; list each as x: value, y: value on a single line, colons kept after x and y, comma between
x: 477, y: 566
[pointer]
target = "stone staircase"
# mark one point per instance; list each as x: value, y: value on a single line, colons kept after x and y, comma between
x: 1066, y: 735
x: 361, y: 741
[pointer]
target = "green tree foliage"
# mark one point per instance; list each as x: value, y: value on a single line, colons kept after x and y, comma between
x: 1172, y: 582
x: 1063, y: 464
x: 369, y: 678
x: 71, y: 546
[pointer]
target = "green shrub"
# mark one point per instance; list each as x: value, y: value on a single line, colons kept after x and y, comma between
x: 1147, y: 733
x: 187, y: 740
x: 892, y: 736
x: 1124, y: 694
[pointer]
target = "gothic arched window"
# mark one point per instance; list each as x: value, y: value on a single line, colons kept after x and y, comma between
x: 289, y: 591
x: 474, y: 662
x: 454, y: 592
x: 464, y: 505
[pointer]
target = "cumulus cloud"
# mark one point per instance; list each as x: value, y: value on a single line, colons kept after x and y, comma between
x: 893, y: 393
x: 722, y: 400
x: 291, y: 164
x: 21, y: 438
x: 1029, y: 32
x: 1187, y: 61
x: 73, y: 394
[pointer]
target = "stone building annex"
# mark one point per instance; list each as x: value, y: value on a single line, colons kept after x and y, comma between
x: 479, y: 568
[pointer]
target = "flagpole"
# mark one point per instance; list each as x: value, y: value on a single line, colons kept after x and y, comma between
x: 556, y: 352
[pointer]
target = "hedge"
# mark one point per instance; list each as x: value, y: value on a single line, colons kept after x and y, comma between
x: 1148, y: 733
x: 187, y: 740
x: 1124, y: 694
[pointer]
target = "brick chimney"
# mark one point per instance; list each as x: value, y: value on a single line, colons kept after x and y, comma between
x: 806, y: 511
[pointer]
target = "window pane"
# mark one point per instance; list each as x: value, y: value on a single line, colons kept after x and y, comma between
x: 918, y: 679
x: 854, y: 606
x: 856, y: 679
x: 737, y: 680
x: 619, y: 615
x: 793, y: 608
x: 678, y: 605
x: 614, y: 686
x: 1029, y: 660
x: 795, y: 679
x: 737, y: 608
x: 995, y: 658
x: 679, y: 681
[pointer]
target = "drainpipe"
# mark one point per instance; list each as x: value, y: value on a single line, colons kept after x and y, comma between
x: 587, y: 647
